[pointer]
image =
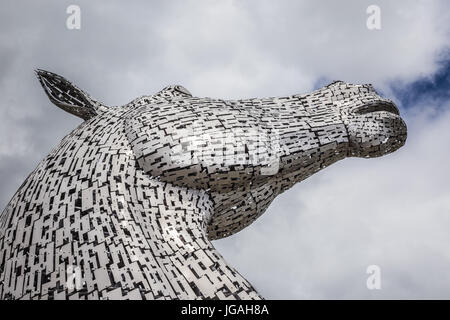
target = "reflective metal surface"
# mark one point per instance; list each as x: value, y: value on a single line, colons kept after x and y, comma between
x: 126, y: 205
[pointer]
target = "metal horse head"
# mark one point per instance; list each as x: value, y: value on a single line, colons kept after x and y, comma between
x: 141, y: 189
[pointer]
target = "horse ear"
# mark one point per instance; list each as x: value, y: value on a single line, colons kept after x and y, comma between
x: 68, y: 97
x: 174, y: 91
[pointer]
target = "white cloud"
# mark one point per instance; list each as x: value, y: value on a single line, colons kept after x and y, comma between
x: 233, y: 48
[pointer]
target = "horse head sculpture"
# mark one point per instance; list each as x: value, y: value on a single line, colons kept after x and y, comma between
x: 126, y: 205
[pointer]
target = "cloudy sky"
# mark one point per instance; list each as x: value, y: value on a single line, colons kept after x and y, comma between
x: 316, y: 240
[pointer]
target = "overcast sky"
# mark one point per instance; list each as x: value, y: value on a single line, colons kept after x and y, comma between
x: 316, y: 240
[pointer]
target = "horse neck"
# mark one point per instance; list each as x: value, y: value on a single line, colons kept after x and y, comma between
x: 88, y: 206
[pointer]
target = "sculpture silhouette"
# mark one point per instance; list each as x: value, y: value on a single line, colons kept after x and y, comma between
x: 126, y: 205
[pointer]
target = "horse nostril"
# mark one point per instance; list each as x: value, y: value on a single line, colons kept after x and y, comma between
x: 378, y: 106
